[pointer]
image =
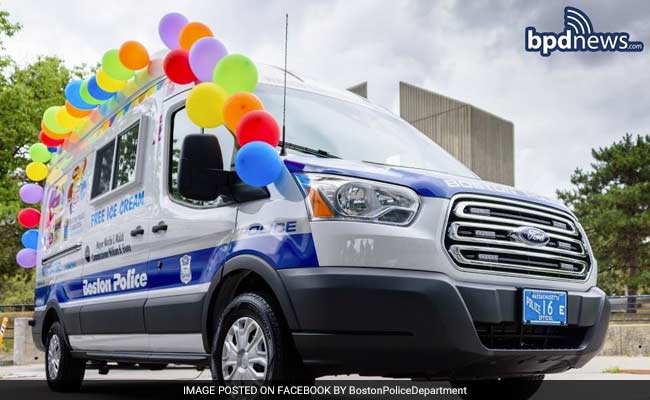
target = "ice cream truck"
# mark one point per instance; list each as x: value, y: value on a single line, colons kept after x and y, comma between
x: 376, y: 253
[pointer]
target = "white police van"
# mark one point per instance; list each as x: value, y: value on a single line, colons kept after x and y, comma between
x: 376, y: 253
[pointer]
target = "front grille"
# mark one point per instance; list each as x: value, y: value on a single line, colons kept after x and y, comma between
x: 480, y: 235
x: 515, y: 335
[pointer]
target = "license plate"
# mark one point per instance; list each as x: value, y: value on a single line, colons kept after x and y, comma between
x: 544, y: 307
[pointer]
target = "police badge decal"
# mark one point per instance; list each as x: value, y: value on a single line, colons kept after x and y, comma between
x: 186, y: 270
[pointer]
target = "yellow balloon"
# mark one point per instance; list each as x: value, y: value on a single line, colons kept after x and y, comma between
x: 67, y: 121
x: 107, y: 83
x: 130, y: 87
x: 36, y: 171
x: 204, y: 104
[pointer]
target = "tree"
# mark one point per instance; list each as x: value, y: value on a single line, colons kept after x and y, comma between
x: 612, y: 201
x: 25, y: 93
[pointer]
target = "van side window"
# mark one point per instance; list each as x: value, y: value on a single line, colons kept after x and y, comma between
x: 127, y: 149
x: 115, y: 162
x: 181, y: 126
x: 103, y: 169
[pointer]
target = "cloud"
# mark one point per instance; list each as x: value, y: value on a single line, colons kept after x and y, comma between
x: 561, y: 106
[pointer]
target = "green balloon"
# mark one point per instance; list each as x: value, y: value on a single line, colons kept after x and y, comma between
x: 49, y: 119
x: 85, y: 95
x: 235, y: 73
x: 113, y: 67
x: 38, y: 152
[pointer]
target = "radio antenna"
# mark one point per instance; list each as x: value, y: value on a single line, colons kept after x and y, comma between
x: 283, y: 151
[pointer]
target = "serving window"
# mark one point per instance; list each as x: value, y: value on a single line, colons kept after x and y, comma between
x: 116, y: 162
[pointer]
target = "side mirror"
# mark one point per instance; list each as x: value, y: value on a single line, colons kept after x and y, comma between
x: 200, y: 171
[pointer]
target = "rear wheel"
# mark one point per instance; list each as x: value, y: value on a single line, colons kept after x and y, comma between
x: 64, y: 373
x: 517, y: 388
x: 251, y: 345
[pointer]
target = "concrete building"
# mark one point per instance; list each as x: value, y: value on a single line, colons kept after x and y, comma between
x: 482, y: 141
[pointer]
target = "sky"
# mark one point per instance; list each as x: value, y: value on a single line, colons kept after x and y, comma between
x: 562, y: 106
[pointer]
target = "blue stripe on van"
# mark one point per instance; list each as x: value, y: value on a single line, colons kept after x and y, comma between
x: 288, y: 251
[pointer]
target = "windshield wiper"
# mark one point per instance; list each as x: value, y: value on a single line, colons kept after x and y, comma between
x: 308, y: 150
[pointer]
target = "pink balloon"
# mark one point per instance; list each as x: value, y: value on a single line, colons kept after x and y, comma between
x: 169, y: 28
x: 26, y: 258
x: 204, y: 55
x: 31, y: 193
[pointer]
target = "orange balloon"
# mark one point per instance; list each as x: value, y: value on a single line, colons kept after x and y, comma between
x: 53, y: 135
x: 237, y: 105
x: 192, y: 32
x: 133, y: 55
x: 74, y: 111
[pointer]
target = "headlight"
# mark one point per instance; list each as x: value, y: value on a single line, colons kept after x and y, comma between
x: 343, y: 198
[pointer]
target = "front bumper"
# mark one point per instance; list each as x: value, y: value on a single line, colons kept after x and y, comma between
x: 403, y: 323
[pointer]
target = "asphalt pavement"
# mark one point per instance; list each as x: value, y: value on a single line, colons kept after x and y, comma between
x: 600, y: 368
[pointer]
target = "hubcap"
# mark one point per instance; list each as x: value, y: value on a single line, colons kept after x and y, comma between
x: 244, y: 356
x: 53, y: 356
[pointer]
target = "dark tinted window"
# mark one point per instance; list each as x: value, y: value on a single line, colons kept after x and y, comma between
x: 127, y: 150
x: 103, y: 168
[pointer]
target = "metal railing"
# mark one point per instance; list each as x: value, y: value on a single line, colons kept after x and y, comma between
x: 16, y: 307
x: 630, y: 308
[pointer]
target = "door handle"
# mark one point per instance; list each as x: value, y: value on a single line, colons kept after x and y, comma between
x: 162, y: 226
x: 137, y: 231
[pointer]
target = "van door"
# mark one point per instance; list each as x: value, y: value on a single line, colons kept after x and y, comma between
x: 116, y: 244
x: 190, y: 240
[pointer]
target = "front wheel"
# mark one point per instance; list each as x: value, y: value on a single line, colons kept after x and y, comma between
x: 516, y: 388
x: 251, y: 345
x: 64, y: 373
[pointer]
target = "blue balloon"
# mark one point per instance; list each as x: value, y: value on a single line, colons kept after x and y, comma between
x: 258, y: 164
x: 97, y: 92
x: 30, y: 239
x: 53, y: 149
x: 73, y: 95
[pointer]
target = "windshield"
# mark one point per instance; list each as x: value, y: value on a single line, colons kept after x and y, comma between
x: 356, y: 132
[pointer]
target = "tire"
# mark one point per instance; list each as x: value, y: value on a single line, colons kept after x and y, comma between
x: 516, y: 388
x: 64, y: 373
x: 250, y: 333
x: 153, y: 367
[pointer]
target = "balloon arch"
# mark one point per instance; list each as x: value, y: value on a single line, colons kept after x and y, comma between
x: 222, y: 95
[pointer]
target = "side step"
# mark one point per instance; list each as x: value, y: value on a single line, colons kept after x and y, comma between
x: 199, y: 359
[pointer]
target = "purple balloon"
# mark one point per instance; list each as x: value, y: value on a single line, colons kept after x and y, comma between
x: 204, y: 55
x: 26, y: 258
x: 169, y: 28
x: 31, y: 193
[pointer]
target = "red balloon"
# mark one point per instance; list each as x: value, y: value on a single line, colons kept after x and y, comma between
x: 258, y: 125
x: 48, y: 141
x: 29, y: 217
x: 177, y: 67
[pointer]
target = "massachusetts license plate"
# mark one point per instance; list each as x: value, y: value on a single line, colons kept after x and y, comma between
x: 544, y: 307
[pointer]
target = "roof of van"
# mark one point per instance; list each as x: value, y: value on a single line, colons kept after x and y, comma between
x: 274, y: 75
x: 267, y: 75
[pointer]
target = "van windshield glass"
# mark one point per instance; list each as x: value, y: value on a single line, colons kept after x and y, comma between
x: 356, y: 132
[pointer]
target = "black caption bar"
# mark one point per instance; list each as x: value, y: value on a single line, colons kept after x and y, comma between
x: 343, y: 389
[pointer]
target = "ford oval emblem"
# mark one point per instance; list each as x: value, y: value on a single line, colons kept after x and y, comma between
x: 530, y: 236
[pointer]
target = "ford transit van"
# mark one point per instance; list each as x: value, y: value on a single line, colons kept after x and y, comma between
x: 376, y: 253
